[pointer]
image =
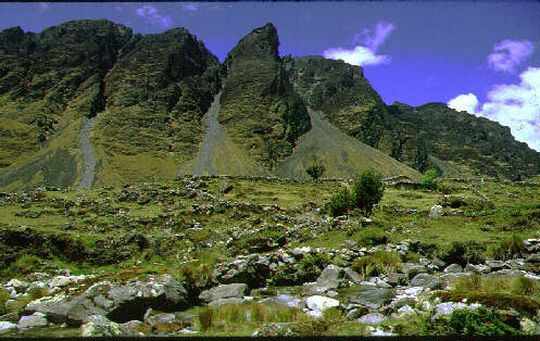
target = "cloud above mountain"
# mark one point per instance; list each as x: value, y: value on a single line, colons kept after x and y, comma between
x: 365, y: 53
x: 514, y: 105
x: 508, y: 54
x: 153, y: 17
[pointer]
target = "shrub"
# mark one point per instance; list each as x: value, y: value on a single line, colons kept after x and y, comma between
x: 508, y: 248
x: 206, y: 318
x: 463, y: 253
x: 340, y: 203
x: 24, y: 265
x: 429, y: 181
x: 4, y: 296
x: 381, y: 262
x: 367, y: 191
x: 372, y: 237
x: 479, y: 321
x: 311, y: 266
x: 315, y: 170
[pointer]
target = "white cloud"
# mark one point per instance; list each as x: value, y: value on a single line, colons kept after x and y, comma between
x: 467, y: 102
x: 514, y: 105
x: 366, y: 52
x: 360, y: 55
x: 190, y: 7
x: 508, y: 54
x: 153, y: 17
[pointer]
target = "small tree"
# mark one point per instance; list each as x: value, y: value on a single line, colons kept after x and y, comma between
x: 367, y: 191
x: 340, y: 203
x: 429, y: 181
x: 315, y: 170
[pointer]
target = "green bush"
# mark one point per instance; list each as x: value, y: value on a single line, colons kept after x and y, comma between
x: 311, y: 266
x: 429, y: 181
x: 4, y: 296
x: 24, y: 265
x: 315, y: 170
x: 372, y: 237
x: 367, y: 191
x: 508, y: 248
x: 479, y: 321
x: 463, y: 253
x: 381, y: 262
x: 340, y: 203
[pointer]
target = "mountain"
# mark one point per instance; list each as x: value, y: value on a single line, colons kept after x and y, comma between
x: 48, y: 83
x: 259, y: 108
x: 344, y: 95
x: 431, y: 135
x: 459, y: 143
x: 156, y: 95
x: 89, y: 103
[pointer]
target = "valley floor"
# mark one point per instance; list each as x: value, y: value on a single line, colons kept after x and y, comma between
x: 228, y: 256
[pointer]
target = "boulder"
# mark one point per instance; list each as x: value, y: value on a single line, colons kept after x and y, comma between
x: 426, y: 281
x: 99, y: 325
x: 448, y: 279
x: 317, y: 304
x: 372, y: 318
x: 373, y: 298
x: 119, y: 302
x: 496, y: 264
x: 18, y: 285
x: 410, y: 269
x: 479, y: 268
x: 236, y: 290
x: 285, y: 300
x: 436, y: 211
x: 406, y: 310
x: 453, y: 268
x: 134, y: 328
x: 6, y: 326
x: 447, y: 308
x: 32, y: 321
x: 330, y: 277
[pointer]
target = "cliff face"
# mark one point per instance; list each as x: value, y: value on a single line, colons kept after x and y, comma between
x: 156, y: 96
x: 259, y: 108
x: 48, y: 83
x: 344, y: 95
x: 433, y: 135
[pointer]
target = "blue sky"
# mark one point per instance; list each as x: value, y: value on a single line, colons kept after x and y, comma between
x: 481, y: 56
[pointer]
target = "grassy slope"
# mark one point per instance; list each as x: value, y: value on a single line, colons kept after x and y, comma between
x: 342, y: 155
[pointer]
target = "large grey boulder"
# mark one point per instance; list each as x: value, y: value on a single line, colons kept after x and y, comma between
x: 32, y: 321
x: 331, y: 278
x: 453, y: 268
x: 426, y: 281
x: 236, y: 290
x: 373, y: 298
x: 447, y: 308
x: 410, y: 269
x: 100, y: 326
x: 372, y: 318
x: 6, y: 326
x: 436, y: 211
x: 317, y: 304
x: 119, y: 302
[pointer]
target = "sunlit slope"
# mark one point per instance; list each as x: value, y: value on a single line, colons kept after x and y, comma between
x: 341, y: 155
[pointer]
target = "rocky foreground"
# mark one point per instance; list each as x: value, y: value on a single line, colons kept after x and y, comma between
x: 106, y: 305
